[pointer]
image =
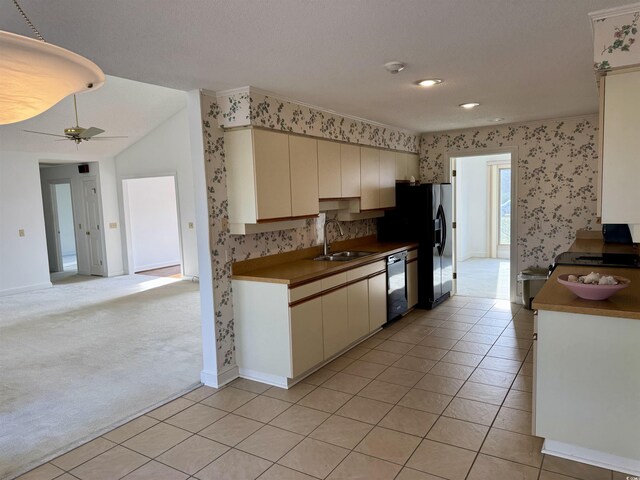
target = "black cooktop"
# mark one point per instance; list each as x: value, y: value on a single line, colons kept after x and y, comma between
x: 626, y: 260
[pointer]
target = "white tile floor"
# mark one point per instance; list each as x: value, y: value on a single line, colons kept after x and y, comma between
x: 439, y: 394
x: 483, y: 277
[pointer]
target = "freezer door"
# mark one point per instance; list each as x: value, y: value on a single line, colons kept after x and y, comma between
x: 446, y: 258
x: 437, y: 241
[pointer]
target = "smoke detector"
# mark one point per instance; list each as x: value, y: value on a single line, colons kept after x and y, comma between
x: 394, y: 67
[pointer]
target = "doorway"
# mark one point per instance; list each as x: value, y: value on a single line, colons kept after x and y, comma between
x: 484, y: 258
x: 66, y: 253
x: 152, y: 232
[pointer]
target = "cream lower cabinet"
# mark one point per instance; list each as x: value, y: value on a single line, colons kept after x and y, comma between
x: 307, y: 348
x: 377, y: 301
x: 335, y: 321
x: 281, y: 333
x: 358, y: 309
x: 412, y: 278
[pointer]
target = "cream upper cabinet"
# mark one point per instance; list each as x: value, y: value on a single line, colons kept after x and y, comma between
x: 350, y: 170
x: 387, y: 179
x: 329, y: 170
x: 377, y: 301
x: 621, y: 147
x: 272, y: 177
x: 258, y: 179
x: 407, y: 165
x: 369, y: 178
x: 303, y: 167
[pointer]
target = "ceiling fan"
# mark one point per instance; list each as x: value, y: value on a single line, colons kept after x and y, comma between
x: 78, y: 134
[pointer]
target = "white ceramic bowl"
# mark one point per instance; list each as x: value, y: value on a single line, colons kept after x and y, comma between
x: 593, y: 292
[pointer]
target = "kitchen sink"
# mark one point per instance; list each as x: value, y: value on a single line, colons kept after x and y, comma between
x: 343, y: 256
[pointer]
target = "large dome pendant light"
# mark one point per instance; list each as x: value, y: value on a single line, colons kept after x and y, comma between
x: 35, y: 75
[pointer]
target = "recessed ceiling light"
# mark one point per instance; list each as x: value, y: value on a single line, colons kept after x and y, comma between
x: 430, y: 82
x: 469, y: 105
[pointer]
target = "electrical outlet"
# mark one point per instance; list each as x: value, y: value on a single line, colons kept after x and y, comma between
x: 113, y: 225
x: 21, y: 232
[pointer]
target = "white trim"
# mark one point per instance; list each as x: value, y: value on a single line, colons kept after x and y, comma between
x: 215, y: 380
x: 275, y: 380
x: 592, y: 457
x: 614, y: 12
x: 205, y: 275
x: 249, y: 89
x: 27, y: 288
x: 154, y: 266
x: 513, y: 252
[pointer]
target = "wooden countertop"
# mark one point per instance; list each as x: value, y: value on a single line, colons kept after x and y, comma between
x: 558, y: 298
x: 590, y: 241
x: 298, y: 267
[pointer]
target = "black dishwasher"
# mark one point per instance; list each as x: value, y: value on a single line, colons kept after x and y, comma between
x: 396, y: 285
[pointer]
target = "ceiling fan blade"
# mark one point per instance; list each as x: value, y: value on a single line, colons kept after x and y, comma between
x: 44, y: 133
x: 110, y: 137
x: 90, y: 132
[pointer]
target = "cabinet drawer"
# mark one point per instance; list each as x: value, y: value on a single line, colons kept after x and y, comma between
x: 333, y: 281
x: 412, y: 254
x: 305, y: 290
x: 365, y: 270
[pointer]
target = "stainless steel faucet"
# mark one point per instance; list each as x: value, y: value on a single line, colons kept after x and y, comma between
x: 325, y: 246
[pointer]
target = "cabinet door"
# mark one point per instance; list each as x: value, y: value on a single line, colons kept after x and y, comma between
x: 401, y: 166
x: 335, y: 323
x: 413, y: 165
x: 350, y: 170
x: 412, y: 283
x: 358, y: 301
x: 273, y: 183
x: 329, y: 170
x: 387, y: 179
x: 377, y: 301
x: 621, y: 144
x: 369, y: 178
x: 306, y: 336
x: 303, y: 166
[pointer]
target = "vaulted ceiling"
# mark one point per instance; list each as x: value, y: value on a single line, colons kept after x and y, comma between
x: 521, y: 59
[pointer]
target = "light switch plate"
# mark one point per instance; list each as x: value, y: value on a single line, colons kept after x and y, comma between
x: 113, y: 225
x: 190, y: 224
x: 21, y: 232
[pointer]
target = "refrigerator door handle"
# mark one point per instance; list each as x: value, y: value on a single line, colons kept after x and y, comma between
x: 443, y: 230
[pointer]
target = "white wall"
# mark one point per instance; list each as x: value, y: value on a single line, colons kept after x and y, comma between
x: 167, y: 151
x: 472, y: 206
x: 111, y: 218
x: 150, y: 205
x: 23, y: 260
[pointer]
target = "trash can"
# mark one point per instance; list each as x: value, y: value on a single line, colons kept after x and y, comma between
x: 532, y: 282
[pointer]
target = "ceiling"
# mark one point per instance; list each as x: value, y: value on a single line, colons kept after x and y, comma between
x: 120, y: 107
x: 521, y: 59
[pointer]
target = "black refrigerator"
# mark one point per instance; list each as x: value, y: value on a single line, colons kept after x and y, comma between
x: 423, y: 215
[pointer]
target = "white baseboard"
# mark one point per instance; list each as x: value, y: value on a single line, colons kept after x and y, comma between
x: 275, y: 380
x: 153, y: 266
x: 630, y: 466
x: 116, y: 273
x: 26, y: 288
x: 217, y: 380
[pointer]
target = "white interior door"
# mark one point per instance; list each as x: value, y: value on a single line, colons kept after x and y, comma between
x: 92, y: 227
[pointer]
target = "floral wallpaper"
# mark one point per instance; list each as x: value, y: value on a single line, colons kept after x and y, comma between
x: 616, y: 40
x: 270, y: 113
x: 242, y: 107
x: 557, y: 172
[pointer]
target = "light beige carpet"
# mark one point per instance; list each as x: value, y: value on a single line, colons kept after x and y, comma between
x: 87, y: 354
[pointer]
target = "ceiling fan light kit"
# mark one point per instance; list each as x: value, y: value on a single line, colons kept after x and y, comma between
x: 35, y: 75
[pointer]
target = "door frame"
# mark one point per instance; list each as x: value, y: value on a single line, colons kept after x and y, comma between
x: 513, y: 250
x: 127, y: 246
x: 59, y: 264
